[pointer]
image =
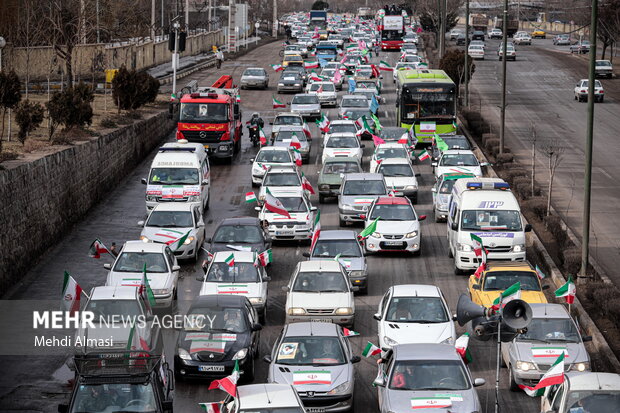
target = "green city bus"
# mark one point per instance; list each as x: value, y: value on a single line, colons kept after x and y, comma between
x: 426, y: 98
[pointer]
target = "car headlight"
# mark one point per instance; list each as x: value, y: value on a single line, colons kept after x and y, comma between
x: 151, y: 198
x: 525, y: 366
x: 280, y: 84
x: 241, y: 354
x: 323, y: 187
x: 581, y: 366
x: 376, y: 235
x: 411, y: 187
x: 344, y: 311
x: 389, y: 341
x: 343, y: 388
x: 189, y: 240
x: 297, y: 84
x: 356, y: 273
x: 412, y: 234
x: 193, y: 198
x: 518, y: 248
x: 184, y: 355
x: 257, y: 300
x: 144, y: 238
x: 348, y: 208
x: 258, y: 171
x: 296, y: 311
x: 161, y: 291
x: 463, y: 247
x: 449, y: 340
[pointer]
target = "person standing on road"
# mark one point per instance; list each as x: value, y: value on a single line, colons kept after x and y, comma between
x: 219, y: 55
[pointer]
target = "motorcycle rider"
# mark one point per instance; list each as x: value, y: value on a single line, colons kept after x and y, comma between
x: 255, y: 124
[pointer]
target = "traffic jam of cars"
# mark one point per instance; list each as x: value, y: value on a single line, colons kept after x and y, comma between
x: 339, y: 62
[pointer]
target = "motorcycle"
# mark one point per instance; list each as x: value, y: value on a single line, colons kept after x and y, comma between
x: 254, y: 134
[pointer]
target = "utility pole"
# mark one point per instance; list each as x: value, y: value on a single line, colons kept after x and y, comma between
x: 175, y: 56
x: 162, y: 16
x: 585, y: 245
x: 97, y: 13
x: 274, y: 28
x: 442, y: 28
x: 502, y: 126
x: 187, y: 16
x: 466, y: 54
x: 152, y: 21
x: 210, y: 15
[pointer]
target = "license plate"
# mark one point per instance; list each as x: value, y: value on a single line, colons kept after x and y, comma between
x: 285, y: 232
x: 210, y: 368
x: 321, y: 320
x: 393, y: 243
x: 315, y: 409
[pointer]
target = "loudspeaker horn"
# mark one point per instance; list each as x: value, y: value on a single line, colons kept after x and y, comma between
x: 467, y: 310
x: 517, y: 314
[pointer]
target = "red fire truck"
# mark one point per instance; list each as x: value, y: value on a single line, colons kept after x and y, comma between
x: 212, y: 116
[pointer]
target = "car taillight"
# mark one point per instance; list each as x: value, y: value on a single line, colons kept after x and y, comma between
x: 179, y: 135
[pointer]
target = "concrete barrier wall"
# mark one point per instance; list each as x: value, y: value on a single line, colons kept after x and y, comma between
x: 549, y: 27
x: 42, y: 61
x: 40, y: 200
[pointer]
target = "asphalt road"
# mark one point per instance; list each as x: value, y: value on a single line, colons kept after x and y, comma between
x: 39, y: 383
x: 540, y: 92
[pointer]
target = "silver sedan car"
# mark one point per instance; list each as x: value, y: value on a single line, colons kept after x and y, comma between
x: 254, y: 77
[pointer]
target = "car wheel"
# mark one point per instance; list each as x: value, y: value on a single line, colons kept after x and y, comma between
x: 513, y: 384
x: 458, y: 271
x: 263, y: 316
x: 450, y: 255
x: 418, y: 252
x: 601, y: 99
x: 342, y: 222
x: 321, y: 199
x: 248, y: 377
x: 208, y: 204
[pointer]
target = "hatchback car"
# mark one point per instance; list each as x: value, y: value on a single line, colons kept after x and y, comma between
x: 414, y: 313
x: 325, y: 91
x: 581, y: 91
x: 318, y: 361
x: 292, y: 60
x: 441, y: 193
x: 353, y: 102
x: 331, y: 75
x: 168, y: 222
x: 550, y: 333
x: 409, y: 48
x: 264, y: 397
x: 320, y: 291
x: 285, y: 119
x: 357, y: 192
x: 341, y: 126
x: 219, y: 331
x: 290, y: 82
x: 461, y: 39
x: 477, y: 35
x: 539, y: 34
x: 299, y: 226
x: 286, y: 134
x: 254, y: 77
x: 330, y: 176
x: 422, y: 375
x: 385, y: 151
x: 300, y: 70
x: 267, y: 157
x: 400, y: 177
x: 457, y: 161
x: 239, y: 234
x: 307, y: 105
x: 522, y: 39
x: 454, y: 33
x: 343, y: 145
x: 397, y: 226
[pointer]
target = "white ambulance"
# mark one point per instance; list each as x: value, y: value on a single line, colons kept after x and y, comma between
x: 488, y: 209
x: 180, y: 172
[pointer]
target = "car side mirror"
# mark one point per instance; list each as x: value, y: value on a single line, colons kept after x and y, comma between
x: 107, y: 266
x: 586, y: 338
x: 379, y: 381
x: 208, y: 240
x: 285, y: 288
x: 545, y: 287
x: 362, y: 146
x: 63, y: 408
x: 433, y: 189
x: 288, y: 103
x: 176, y: 267
x: 479, y: 382
x: 140, y: 223
x: 267, y: 359
x: 257, y: 208
x: 434, y: 164
x: 484, y: 164
x: 454, y: 226
x: 200, y: 224
x: 377, y: 316
x: 306, y: 254
x: 355, y: 359
x: 256, y: 327
x: 454, y: 317
x: 313, y: 208
x: 143, y: 180
x: 476, y: 286
x: 252, y: 160
x: 418, y: 174
x: 421, y: 217
x: 528, y: 228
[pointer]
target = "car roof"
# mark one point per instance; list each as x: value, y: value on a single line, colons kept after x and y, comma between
x: 392, y: 200
x: 266, y: 395
x: 141, y: 246
x: 339, y: 159
x: 281, y: 169
x: 342, y: 134
x: 218, y: 300
x: 275, y: 148
x: 304, y: 95
x: 389, y: 145
x: 174, y: 206
x: 351, y: 96
x: 425, y: 351
x: 338, y: 234
x: 255, y: 68
x: 117, y: 292
x: 415, y: 290
x: 288, y: 114
x: 394, y: 129
x: 509, y: 266
x: 548, y: 310
x: 342, y: 122
x: 312, y: 329
x: 457, y: 152
x: 240, y: 256
x: 363, y: 176
x: 239, y: 221
x: 329, y: 265
x: 395, y: 161
x: 594, y: 381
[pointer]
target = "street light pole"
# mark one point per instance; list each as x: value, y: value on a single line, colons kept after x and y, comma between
x: 442, y: 28
x: 175, y: 56
x: 585, y: 245
x: 502, y: 126
x: 466, y: 54
x: 274, y: 27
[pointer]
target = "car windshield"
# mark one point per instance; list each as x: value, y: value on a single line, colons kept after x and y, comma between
x: 333, y: 168
x: 332, y: 247
x: 388, y: 212
x: 500, y: 280
x: 313, y: 350
x: 389, y: 153
x: 403, y: 66
x: 170, y: 219
x: 104, y: 308
x: 429, y: 375
x: 174, y: 176
x: 249, y: 234
x: 364, y: 73
x: 354, y: 103
x: 368, y: 187
x: 461, y: 159
x: 412, y: 58
x: 203, y: 113
x: 356, y: 114
x: 288, y: 120
x: 240, y: 272
x: 316, y: 282
x: 603, y: 63
x: 342, y: 128
x: 282, y: 179
x: 293, y: 58
x: 305, y: 100
x: 551, y: 329
x: 327, y: 72
x: 254, y: 72
x: 593, y: 401
x: 273, y: 156
x: 446, y: 186
x: 115, y: 397
x: 392, y: 134
x: 416, y: 310
x: 489, y: 220
x: 457, y: 143
x: 293, y: 204
x: 135, y: 262
x: 287, y: 135
x: 342, y: 142
x: 597, y: 83
x: 395, y: 170
x: 215, y: 320
x: 327, y: 87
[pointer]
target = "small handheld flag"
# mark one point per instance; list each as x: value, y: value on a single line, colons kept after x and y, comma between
x: 277, y: 104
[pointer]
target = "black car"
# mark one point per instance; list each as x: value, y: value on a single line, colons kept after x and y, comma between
x: 240, y: 232
x: 453, y: 142
x: 299, y: 70
x: 219, y: 331
x: 461, y: 39
x: 478, y: 35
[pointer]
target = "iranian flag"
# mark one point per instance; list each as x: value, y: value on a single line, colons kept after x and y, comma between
x: 71, y: 294
x: 277, y: 68
x: 481, y: 268
x: 511, y: 293
x: 277, y: 104
x: 305, y: 184
x: 403, y: 139
x: 250, y: 197
x: 371, y: 350
x: 323, y: 123
x: 568, y: 291
x: 261, y: 136
x: 213, y: 407
x: 368, y: 230
x: 312, y: 377
x: 317, y: 229
x: 349, y: 333
x: 377, y: 140
x: 229, y: 383
x: 539, y: 272
x: 274, y: 205
x: 298, y: 160
x: 462, y: 347
x: 97, y: 248
x: 136, y: 342
x: 307, y: 131
x: 177, y: 243
x: 295, y: 143
x: 315, y: 78
x: 311, y: 65
x: 320, y: 89
x: 437, y: 402
x: 145, y: 289
x: 264, y: 258
x: 230, y: 260
x: 385, y: 66
x: 555, y: 375
x: 477, y: 244
x: 423, y: 155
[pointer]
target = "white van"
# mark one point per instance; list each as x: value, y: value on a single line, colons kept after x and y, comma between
x: 484, y: 207
x: 180, y: 172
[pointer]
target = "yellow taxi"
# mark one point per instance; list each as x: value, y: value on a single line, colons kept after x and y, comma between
x: 500, y: 275
x: 292, y: 60
x: 323, y: 34
x: 538, y: 33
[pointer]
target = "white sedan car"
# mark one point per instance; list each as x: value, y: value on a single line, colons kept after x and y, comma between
x: 476, y: 51
x: 299, y: 226
x: 458, y: 161
x: 267, y: 157
x: 343, y: 144
x: 400, y: 177
x: 389, y: 150
x: 279, y: 179
x: 326, y: 92
x: 581, y: 91
x: 414, y: 313
x: 401, y: 66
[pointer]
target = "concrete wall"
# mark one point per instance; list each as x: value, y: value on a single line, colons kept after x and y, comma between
x: 40, y: 200
x: 42, y: 61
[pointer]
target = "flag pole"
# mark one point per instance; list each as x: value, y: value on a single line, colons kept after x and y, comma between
x: 88, y: 297
x: 499, y: 328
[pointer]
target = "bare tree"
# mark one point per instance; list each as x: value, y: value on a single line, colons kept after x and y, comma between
x: 30, y: 31
x: 554, y: 151
x: 64, y: 35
